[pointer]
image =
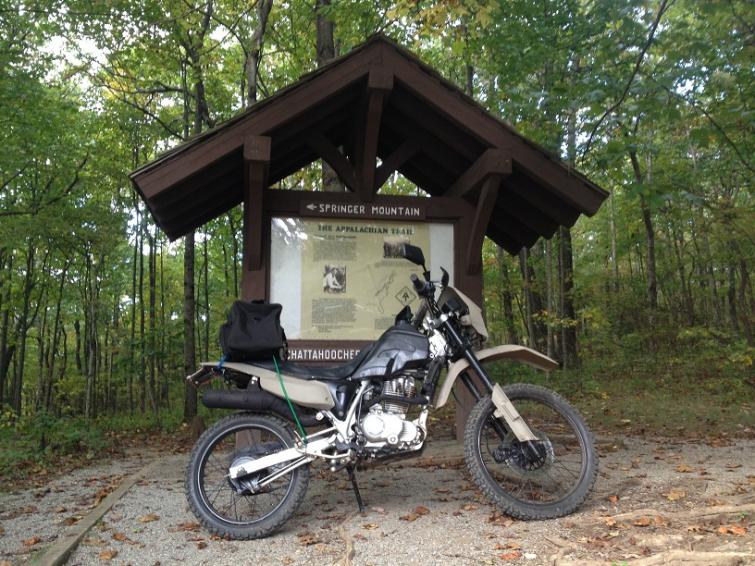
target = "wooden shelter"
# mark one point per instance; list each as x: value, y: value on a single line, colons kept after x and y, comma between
x: 370, y: 113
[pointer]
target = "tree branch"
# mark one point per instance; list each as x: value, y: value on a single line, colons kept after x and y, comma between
x: 661, y: 10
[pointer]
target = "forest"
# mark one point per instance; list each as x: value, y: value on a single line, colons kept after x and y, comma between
x: 649, y: 304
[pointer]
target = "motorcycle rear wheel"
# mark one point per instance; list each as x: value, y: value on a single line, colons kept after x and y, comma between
x: 228, y: 510
x: 553, y: 485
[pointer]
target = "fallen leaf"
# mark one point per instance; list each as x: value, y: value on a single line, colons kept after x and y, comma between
x: 72, y: 520
x: 500, y: 519
x: 378, y: 510
x: 421, y: 510
x: 148, y: 518
x: 732, y: 529
x: 369, y: 526
x: 684, y: 469
x: 31, y: 541
x: 508, y: 546
x: 660, y: 521
x: 188, y: 526
x: 60, y: 509
x: 613, y: 499
x: 93, y: 541
x: 201, y: 544
x: 307, y: 538
x: 287, y: 561
x: 468, y: 507
x: 359, y: 536
x: 733, y: 466
x: 609, y: 521
x: 411, y: 517
x: 5, y: 563
x: 108, y: 554
x: 675, y: 495
x: 642, y: 522
x: 694, y: 528
x: 514, y: 555
x: 121, y: 537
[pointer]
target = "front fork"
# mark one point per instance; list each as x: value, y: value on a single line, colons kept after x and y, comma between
x: 504, y: 407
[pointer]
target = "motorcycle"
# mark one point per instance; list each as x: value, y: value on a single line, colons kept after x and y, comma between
x: 527, y: 449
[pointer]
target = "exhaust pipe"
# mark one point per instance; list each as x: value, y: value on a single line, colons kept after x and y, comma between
x: 255, y: 400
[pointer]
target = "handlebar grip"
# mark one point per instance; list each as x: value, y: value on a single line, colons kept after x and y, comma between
x: 418, y: 285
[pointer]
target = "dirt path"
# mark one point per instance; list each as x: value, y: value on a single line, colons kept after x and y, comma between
x: 651, y: 498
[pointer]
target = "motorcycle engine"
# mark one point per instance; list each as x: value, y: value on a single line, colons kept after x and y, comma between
x: 386, y: 421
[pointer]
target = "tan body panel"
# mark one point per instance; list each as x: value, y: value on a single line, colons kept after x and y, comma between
x: 505, y: 351
x: 307, y: 393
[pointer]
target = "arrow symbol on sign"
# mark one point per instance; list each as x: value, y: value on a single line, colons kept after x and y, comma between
x: 311, y: 207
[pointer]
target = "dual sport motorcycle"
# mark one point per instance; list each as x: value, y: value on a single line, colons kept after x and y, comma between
x: 527, y: 449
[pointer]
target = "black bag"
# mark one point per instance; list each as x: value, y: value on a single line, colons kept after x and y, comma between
x: 253, y: 332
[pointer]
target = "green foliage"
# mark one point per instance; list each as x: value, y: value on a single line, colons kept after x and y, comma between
x: 91, y: 91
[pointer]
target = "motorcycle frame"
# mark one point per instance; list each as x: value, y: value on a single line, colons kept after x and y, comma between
x: 315, y: 445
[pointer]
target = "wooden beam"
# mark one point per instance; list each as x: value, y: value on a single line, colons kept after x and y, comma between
x: 431, y: 145
x: 579, y: 192
x: 533, y: 218
x: 484, y: 210
x: 289, y: 105
x: 413, y: 111
x: 330, y: 154
x: 379, y: 85
x: 542, y: 200
x: 491, y: 162
x: 256, y: 166
x: 400, y: 155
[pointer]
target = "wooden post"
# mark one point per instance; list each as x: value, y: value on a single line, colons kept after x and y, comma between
x: 256, y: 167
x: 486, y: 172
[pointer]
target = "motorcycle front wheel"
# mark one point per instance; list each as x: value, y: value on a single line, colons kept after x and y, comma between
x: 243, y: 509
x: 550, y: 478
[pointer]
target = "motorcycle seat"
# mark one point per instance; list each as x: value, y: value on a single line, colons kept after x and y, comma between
x: 326, y: 373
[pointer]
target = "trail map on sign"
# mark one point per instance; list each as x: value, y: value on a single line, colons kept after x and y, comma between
x: 352, y: 276
x: 341, y: 279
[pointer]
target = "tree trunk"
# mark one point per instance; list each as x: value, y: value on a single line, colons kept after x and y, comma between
x: 132, y: 344
x: 326, y: 51
x: 142, y: 326
x: 512, y: 336
x: 6, y: 350
x: 206, y: 287
x: 22, y: 328
x: 255, y: 51
x: 732, y: 297
x: 190, y: 398
x: 647, y: 221
x: 568, y: 315
x: 152, y: 346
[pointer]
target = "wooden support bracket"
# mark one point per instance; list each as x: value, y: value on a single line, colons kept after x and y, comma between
x: 401, y: 155
x: 483, y: 212
x: 491, y: 162
x: 333, y: 157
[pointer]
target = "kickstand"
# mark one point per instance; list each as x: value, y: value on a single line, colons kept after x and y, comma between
x: 354, y: 485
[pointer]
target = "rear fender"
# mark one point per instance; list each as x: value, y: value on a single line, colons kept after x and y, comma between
x: 512, y: 352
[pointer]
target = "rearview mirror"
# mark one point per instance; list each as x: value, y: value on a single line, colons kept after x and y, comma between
x: 413, y: 254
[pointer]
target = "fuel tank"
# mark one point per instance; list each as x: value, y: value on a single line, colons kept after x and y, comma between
x: 401, y: 347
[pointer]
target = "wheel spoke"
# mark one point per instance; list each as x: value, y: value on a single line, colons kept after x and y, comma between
x: 533, y: 482
x: 216, y: 487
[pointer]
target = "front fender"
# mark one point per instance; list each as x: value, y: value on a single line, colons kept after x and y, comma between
x: 505, y: 351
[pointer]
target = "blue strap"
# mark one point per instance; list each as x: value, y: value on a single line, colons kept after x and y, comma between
x: 221, y: 362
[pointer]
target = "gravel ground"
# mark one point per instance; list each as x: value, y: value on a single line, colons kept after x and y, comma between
x: 426, y: 514
x: 32, y: 518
